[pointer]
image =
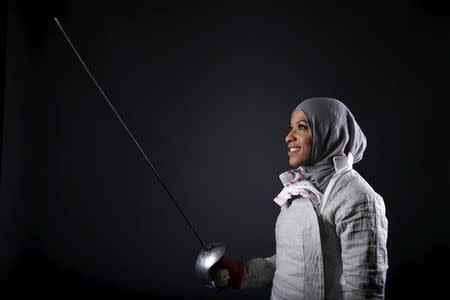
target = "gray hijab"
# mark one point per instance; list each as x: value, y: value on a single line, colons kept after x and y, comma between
x: 334, y: 133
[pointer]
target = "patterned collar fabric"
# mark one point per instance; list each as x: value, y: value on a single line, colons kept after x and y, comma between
x: 295, y: 184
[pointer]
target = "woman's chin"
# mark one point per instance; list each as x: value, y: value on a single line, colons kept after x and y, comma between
x: 294, y: 164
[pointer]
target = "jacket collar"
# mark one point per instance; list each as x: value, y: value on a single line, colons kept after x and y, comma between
x: 295, y: 185
x: 340, y: 162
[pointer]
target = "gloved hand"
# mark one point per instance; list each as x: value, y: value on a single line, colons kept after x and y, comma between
x: 220, y: 276
x: 228, y: 272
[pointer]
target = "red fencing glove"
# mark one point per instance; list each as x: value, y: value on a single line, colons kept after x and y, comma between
x: 235, y: 269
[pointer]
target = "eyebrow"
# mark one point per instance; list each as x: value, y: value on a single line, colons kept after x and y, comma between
x: 301, y: 121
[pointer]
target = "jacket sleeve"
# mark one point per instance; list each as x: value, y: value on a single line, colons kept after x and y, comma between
x: 259, y: 272
x: 362, y: 227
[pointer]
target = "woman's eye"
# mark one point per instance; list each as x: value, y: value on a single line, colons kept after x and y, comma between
x: 299, y: 127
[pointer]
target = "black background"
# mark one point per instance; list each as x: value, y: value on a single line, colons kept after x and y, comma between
x: 207, y: 90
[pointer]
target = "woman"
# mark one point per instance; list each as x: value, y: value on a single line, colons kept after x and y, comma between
x: 331, y: 232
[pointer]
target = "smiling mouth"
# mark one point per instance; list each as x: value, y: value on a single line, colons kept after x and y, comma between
x: 293, y: 150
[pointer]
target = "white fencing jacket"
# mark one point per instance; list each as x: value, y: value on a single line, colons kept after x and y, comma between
x: 330, y: 246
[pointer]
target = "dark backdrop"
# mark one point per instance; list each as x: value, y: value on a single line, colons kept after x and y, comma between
x: 207, y: 89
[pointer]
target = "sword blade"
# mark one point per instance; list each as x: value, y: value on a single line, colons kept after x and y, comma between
x: 108, y: 101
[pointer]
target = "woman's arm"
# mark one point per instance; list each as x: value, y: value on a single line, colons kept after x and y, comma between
x: 362, y: 227
x: 259, y: 272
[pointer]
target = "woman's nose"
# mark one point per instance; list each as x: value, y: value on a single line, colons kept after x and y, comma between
x: 289, y: 137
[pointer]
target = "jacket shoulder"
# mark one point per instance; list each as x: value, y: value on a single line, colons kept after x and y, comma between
x: 349, y: 190
x: 352, y: 184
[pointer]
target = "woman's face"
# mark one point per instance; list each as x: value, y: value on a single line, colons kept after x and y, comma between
x: 299, y: 140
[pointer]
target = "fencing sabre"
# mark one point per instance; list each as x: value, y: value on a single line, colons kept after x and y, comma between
x: 210, y: 252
